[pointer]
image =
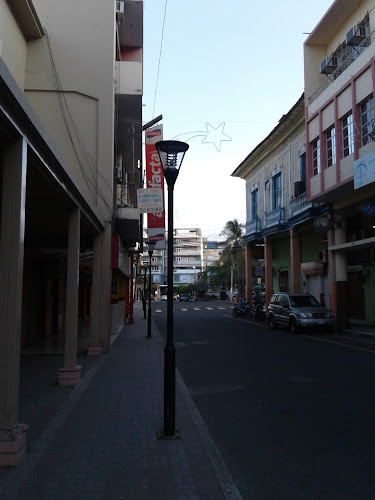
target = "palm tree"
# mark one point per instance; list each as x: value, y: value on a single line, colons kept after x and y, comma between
x: 233, y: 230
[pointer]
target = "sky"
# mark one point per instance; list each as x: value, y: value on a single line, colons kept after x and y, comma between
x: 222, y: 74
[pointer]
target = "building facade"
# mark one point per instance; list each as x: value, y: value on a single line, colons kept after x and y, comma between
x: 282, y: 250
x: 66, y: 100
x: 212, y: 252
x: 339, y: 76
x: 188, y: 255
x: 188, y: 258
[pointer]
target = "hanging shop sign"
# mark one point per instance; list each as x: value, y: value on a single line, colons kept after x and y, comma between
x: 155, y: 179
x: 309, y: 268
x: 150, y: 200
x: 364, y: 170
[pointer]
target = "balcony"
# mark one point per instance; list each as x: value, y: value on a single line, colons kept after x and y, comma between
x: 130, y: 81
x: 274, y: 218
x: 253, y: 226
x: 299, y: 204
x: 344, y: 64
x: 127, y: 225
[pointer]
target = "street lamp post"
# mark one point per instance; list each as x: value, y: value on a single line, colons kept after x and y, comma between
x: 151, y: 246
x: 171, y: 154
x: 144, y: 292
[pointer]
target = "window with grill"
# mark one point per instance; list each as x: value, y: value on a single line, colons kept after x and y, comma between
x: 347, y: 135
x: 331, y: 146
x: 316, y: 156
x: 367, y: 120
x: 277, y: 190
x: 254, y: 201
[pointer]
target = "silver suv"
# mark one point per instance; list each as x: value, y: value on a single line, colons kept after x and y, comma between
x: 298, y: 310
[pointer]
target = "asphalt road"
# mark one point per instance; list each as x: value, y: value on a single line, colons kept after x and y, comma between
x: 292, y: 416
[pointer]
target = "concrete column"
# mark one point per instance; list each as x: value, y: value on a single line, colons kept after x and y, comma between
x: 295, y: 260
x: 94, y: 347
x: 341, y: 275
x: 105, y: 289
x: 268, y: 268
x: 341, y: 267
x: 121, y: 301
x: 70, y: 374
x: 248, y: 272
x: 12, y: 434
x: 331, y: 271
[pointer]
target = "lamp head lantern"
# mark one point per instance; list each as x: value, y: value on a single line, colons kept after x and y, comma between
x: 171, y: 154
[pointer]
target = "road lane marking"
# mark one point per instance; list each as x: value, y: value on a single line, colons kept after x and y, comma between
x: 252, y: 322
x: 356, y: 340
x: 339, y: 343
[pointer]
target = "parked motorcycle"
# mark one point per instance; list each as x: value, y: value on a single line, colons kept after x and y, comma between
x: 242, y: 309
x: 254, y: 310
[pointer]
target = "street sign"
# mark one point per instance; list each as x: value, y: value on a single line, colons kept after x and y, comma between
x: 150, y: 200
x: 364, y: 170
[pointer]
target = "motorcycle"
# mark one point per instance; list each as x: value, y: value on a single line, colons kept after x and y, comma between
x: 255, y: 310
x: 242, y: 309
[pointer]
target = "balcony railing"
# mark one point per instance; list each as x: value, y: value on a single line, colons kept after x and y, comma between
x: 127, y: 194
x: 299, y: 204
x: 355, y: 53
x: 274, y: 218
x: 253, y: 226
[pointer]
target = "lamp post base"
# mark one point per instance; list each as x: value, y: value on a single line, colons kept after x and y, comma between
x: 160, y: 436
x: 169, y: 390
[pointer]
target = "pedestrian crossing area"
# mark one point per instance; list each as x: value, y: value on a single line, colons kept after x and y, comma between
x: 197, y: 308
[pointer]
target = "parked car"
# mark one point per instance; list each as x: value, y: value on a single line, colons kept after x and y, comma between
x: 183, y: 297
x: 297, y: 311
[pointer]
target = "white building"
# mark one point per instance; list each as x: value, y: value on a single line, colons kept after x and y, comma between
x: 188, y: 258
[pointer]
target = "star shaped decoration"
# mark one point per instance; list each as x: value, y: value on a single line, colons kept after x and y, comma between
x: 216, y: 135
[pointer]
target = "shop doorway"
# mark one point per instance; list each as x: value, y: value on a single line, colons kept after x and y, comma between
x: 283, y: 281
x: 356, y: 296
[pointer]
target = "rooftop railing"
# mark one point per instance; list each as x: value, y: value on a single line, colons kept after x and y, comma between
x: 354, y: 54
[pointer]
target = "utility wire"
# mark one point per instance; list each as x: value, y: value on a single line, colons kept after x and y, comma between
x: 88, y: 159
x: 161, y: 49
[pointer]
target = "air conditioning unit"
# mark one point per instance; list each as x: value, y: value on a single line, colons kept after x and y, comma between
x: 118, y: 173
x: 299, y: 188
x: 323, y: 255
x: 356, y: 35
x: 120, y: 9
x: 328, y: 65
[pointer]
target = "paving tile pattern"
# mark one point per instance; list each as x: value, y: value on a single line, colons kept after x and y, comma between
x: 99, y: 439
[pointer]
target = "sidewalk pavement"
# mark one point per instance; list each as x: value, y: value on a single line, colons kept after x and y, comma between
x: 99, y: 440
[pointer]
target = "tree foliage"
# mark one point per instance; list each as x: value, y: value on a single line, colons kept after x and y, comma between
x: 233, y: 230
x: 218, y: 276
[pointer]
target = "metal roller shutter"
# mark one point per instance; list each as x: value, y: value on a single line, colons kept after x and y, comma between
x: 317, y: 284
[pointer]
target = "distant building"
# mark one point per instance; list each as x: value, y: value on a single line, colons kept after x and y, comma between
x: 188, y: 258
x: 213, y: 251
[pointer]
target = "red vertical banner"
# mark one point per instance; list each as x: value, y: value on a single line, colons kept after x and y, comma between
x: 155, y: 179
